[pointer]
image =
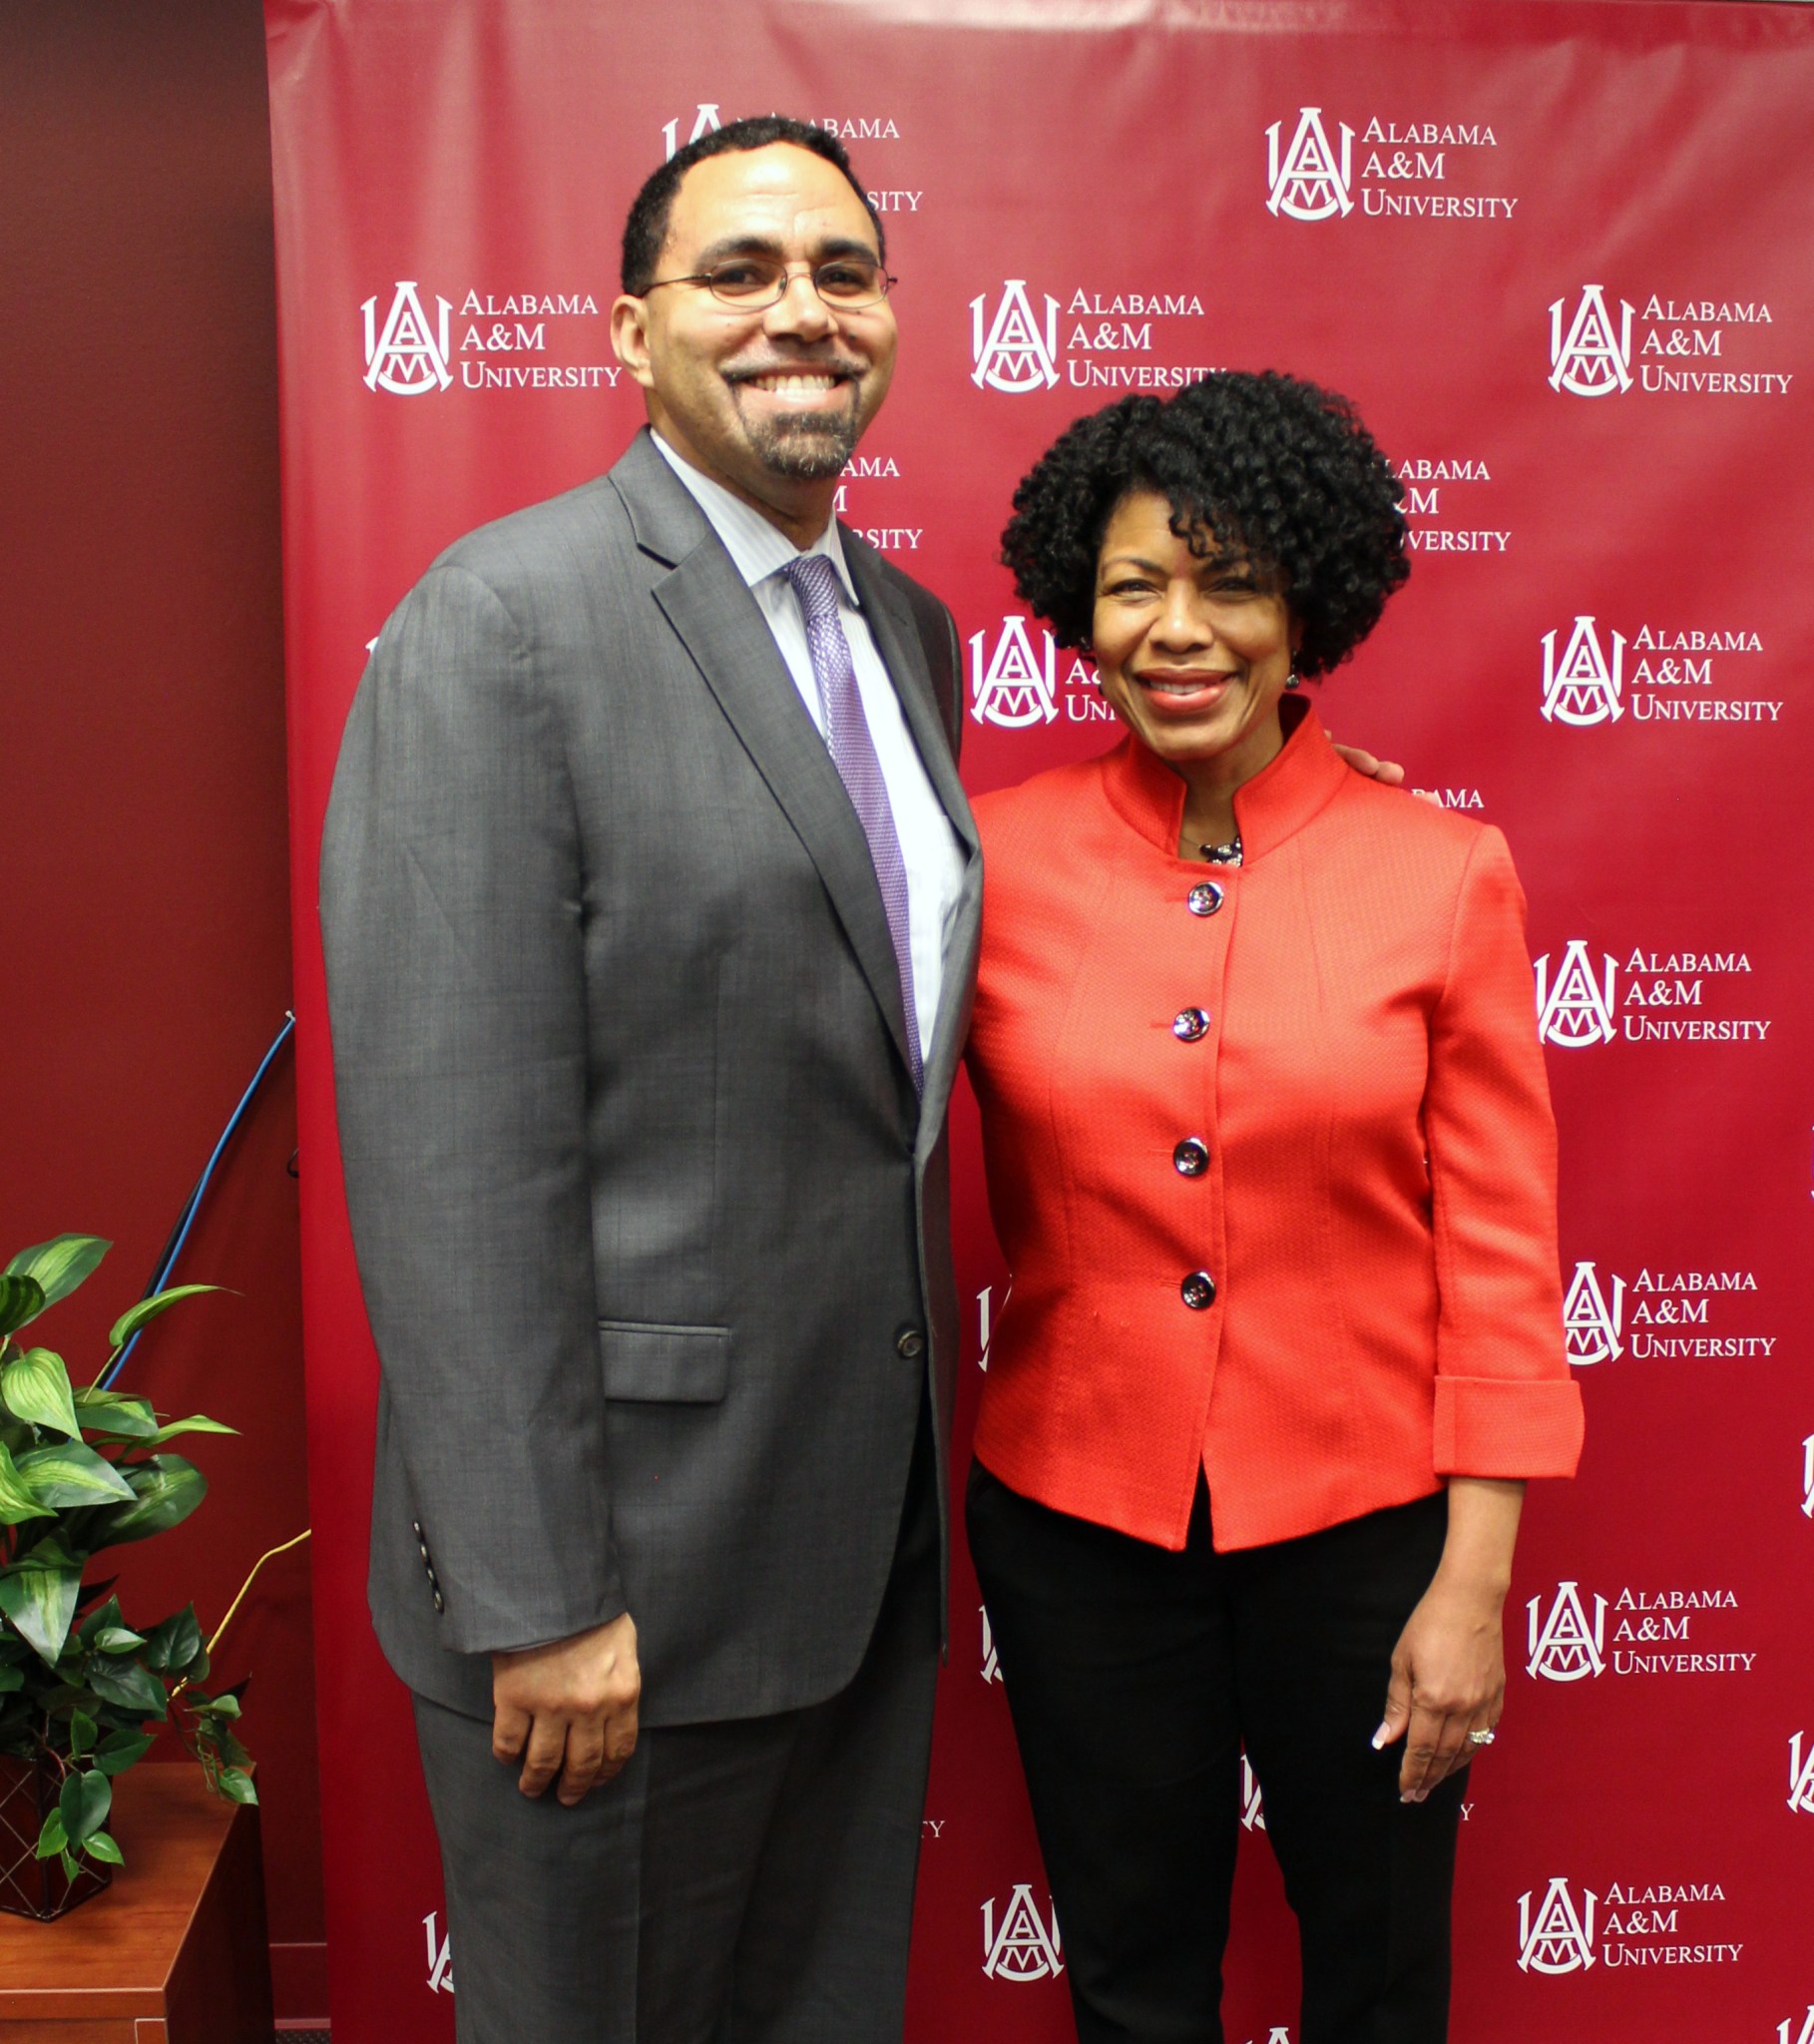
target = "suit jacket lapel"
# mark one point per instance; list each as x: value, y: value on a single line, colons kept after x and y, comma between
x: 897, y: 639
x: 723, y: 628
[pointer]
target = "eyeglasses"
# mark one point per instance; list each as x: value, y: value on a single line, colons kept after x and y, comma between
x: 751, y: 283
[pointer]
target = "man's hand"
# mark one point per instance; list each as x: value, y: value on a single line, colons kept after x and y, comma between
x: 569, y: 1709
x: 1388, y: 773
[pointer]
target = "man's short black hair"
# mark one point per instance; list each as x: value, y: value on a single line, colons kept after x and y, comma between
x: 646, y: 230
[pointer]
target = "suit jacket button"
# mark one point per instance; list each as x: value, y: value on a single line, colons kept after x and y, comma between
x: 910, y: 1342
x: 440, y: 1602
x: 1204, y: 898
x: 1198, y: 1291
x: 415, y: 1526
x: 1189, y: 1024
x: 1191, y: 1157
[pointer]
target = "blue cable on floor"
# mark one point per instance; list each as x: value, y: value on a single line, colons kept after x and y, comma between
x: 180, y: 1235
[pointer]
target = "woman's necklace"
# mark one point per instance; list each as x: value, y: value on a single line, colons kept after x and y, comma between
x: 1228, y: 855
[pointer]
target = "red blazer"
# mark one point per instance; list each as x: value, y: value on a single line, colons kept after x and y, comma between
x: 1345, y: 1026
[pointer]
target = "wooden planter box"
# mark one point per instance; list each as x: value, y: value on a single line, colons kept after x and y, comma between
x: 175, y: 1952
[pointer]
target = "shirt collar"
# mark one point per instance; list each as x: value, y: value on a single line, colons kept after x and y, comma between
x: 1293, y: 787
x: 756, y: 547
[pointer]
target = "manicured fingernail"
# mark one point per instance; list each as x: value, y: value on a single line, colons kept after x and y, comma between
x: 1379, y: 1737
x: 1414, y: 1795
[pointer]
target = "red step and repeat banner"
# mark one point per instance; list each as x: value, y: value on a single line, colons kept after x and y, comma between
x: 1559, y: 256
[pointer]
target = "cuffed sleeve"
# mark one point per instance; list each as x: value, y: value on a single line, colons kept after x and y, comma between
x: 1506, y: 1405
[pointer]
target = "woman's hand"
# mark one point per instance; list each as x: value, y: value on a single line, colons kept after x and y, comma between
x: 1449, y: 1667
x: 1448, y: 1680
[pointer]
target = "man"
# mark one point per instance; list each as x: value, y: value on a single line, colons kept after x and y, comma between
x: 650, y: 901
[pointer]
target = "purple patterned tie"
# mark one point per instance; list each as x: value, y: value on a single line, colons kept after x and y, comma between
x: 815, y: 583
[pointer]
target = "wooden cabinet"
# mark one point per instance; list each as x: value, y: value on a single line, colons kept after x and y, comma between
x: 174, y: 1952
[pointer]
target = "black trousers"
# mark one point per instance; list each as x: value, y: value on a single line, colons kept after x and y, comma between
x: 1135, y: 1676
x: 748, y: 1881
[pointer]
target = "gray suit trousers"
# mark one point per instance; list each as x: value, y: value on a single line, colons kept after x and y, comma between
x: 781, y: 1848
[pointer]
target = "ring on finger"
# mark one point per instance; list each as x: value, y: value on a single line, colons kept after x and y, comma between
x: 1484, y: 1737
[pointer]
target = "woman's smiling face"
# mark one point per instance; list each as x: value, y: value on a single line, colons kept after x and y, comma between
x: 1193, y: 653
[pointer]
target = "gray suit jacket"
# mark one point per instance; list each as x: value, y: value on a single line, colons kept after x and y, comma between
x: 651, y: 1229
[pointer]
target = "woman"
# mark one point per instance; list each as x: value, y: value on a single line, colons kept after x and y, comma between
x: 1270, y: 1154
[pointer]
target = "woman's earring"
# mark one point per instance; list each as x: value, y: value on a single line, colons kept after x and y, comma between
x: 1291, y: 679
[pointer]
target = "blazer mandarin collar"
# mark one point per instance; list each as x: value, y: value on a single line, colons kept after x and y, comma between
x: 1274, y: 806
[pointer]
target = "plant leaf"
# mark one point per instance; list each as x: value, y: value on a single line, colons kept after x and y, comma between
x: 36, y: 1387
x: 102, y: 1847
x: 11, y: 1677
x: 98, y: 1620
x: 81, y: 1733
x: 51, y: 1839
x: 83, y: 1806
x: 116, y: 1412
x: 175, y: 1642
x: 236, y: 1784
x: 200, y: 1424
x: 118, y: 1639
x: 59, y: 1265
x: 128, y: 1685
x: 219, y: 1707
x: 165, y: 1490
x: 21, y: 1300
x: 41, y: 1601
x: 115, y: 1757
x: 17, y: 1502
x: 130, y: 1322
x: 71, y: 1473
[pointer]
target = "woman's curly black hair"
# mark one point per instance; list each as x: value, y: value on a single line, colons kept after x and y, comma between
x: 1272, y: 467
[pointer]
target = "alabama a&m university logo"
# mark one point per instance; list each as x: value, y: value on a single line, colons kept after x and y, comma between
x: 704, y: 122
x: 1253, y: 1810
x: 1575, y: 1010
x: 1013, y: 686
x: 1309, y: 182
x: 1564, y: 1645
x: 1593, y: 358
x: 1593, y: 1319
x: 1026, y: 1947
x: 1801, y: 1774
x: 992, y: 1665
x: 1557, y: 1938
x: 440, y: 1957
x: 1805, y: 2035
x: 1012, y: 351
x: 1584, y: 686
x: 409, y: 355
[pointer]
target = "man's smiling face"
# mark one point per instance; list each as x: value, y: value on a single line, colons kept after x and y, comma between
x: 770, y: 403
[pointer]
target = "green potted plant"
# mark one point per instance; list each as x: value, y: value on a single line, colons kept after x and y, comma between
x: 82, y: 1689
